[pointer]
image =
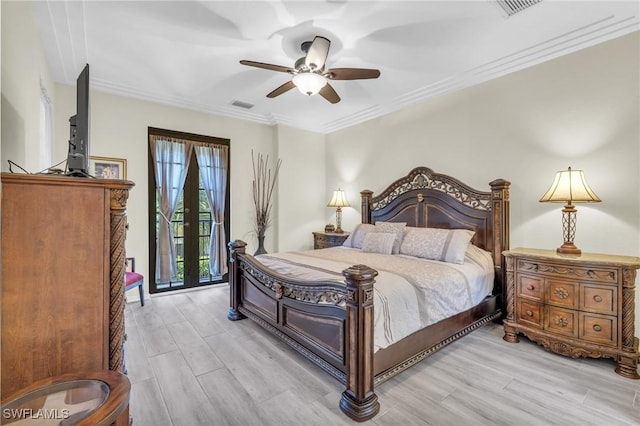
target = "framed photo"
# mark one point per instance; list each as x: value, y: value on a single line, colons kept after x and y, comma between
x: 108, y: 168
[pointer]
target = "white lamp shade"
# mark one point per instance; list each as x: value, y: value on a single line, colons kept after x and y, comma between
x: 309, y: 83
x: 570, y: 186
x: 339, y: 199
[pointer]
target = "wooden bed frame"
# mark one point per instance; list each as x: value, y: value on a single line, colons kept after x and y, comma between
x: 332, y: 323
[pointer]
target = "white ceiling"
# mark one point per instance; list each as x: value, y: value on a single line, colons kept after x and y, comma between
x: 187, y: 53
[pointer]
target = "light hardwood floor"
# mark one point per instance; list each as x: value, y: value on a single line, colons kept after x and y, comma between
x: 190, y: 366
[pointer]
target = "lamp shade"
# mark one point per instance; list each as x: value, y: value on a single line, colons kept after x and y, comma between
x: 570, y: 186
x: 309, y: 83
x: 339, y: 199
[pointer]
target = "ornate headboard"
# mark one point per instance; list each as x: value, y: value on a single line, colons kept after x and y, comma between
x: 427, y: 199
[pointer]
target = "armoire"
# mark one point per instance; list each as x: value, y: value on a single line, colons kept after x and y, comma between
x: 63, y: 264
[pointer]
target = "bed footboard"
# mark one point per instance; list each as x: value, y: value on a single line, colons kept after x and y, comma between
x: 329, y: 323
x: 359, y: 401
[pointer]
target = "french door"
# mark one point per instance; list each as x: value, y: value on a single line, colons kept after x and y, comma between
x: 191, y: 226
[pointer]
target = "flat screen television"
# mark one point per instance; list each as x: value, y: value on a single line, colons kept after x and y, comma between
x: 78, y: 156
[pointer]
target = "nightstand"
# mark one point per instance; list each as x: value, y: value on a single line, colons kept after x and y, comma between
x: 578, y: 306
x: 328, y: 239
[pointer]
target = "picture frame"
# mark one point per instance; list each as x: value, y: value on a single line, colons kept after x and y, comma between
x: 108, y: 167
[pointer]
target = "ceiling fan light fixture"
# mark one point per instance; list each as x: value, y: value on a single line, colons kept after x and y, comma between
x: 309, y: 83
x: 310, y: 74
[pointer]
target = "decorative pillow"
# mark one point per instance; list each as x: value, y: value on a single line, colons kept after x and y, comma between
x: 356, y: 238
x: 378, y: 242
x: 447, y: 245
x: 396, y: 228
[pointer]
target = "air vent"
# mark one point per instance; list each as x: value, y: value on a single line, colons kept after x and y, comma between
x: 241, y: 104
x: 514, y: 6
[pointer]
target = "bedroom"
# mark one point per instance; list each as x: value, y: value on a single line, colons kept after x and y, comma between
x: 579, y: 110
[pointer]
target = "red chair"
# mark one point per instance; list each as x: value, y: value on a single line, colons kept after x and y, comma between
x: 133, y: 279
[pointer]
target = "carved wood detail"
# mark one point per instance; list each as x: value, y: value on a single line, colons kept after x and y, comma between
x: 551, y: 344
x: 425, y: 178
x: 601, y: 275
x: 510, y: 303
x: 118, y: 203
x: 628, y: 310
x: 359, y: 400
x: 318, y: 294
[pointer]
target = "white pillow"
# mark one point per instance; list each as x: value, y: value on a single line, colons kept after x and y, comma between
x: 447, y: 245
x: 378, y: 242
x: 396, y: 228
x: 356, y: 238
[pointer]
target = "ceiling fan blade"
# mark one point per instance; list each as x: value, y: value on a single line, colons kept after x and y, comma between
x: 352, y: 73
x: 329, y: 94
x: 317, y: 54
x: 271, y: 67
x: 280, y: 90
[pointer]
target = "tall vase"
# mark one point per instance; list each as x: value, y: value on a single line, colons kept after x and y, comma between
x: 261, y: 249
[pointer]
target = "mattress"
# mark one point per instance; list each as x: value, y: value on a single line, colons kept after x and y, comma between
x: 410, y: 293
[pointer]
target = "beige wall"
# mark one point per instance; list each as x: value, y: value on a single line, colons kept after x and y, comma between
x: 580, y: 110
x: 23, y: 67
x: 302, y: 181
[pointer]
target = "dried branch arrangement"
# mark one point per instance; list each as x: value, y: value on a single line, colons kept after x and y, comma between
x: 263, y: 184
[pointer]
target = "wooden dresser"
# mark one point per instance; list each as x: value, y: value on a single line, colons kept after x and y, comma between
x: 63, y: 263
x: 328, y: 239
x: 574, y: 306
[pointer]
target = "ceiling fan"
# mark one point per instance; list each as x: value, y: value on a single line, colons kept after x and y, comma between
x: 309, y: 74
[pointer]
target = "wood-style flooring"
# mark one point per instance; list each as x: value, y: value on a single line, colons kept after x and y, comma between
x: 190, y: 366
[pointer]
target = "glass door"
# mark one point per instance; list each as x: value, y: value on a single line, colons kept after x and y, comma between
x: 191, y: 225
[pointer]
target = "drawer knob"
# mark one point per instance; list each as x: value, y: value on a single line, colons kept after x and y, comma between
x: 561, y: 321
x: 530, y: 287
x: 529, y: 313
x: 562, y: 293
x: 596, y: 327
x: 597, y: 298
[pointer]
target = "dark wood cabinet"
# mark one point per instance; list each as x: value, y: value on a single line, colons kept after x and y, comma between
x: 63, y: 263
x: 574, y: 305
x: 328, y: 239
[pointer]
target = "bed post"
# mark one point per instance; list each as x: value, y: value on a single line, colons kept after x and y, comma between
x: 235, y: 247
x: 365, y: 196
x: 359, y: 400
x: 500, y: 211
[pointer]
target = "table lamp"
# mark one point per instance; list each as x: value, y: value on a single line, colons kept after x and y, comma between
x: 569, y: 187
x: 339, y: 200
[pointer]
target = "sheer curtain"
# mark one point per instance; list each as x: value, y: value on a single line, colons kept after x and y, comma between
x: 171, y: 159
x: 213, y: 163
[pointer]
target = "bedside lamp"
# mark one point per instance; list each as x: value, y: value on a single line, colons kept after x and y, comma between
x: 569, y: 187
x: 338, y: 200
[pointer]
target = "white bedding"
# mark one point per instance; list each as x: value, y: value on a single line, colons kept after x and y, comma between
x: 410, y: 293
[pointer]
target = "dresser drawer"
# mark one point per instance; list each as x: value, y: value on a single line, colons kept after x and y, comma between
x: 562, y: 321
x: 320, y: 241
x: 563, y: 293
x: 595, y: 274
x: 600, y: 329
x: 600, y: 299
x: 530, y: 313
x: 530, y: 287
